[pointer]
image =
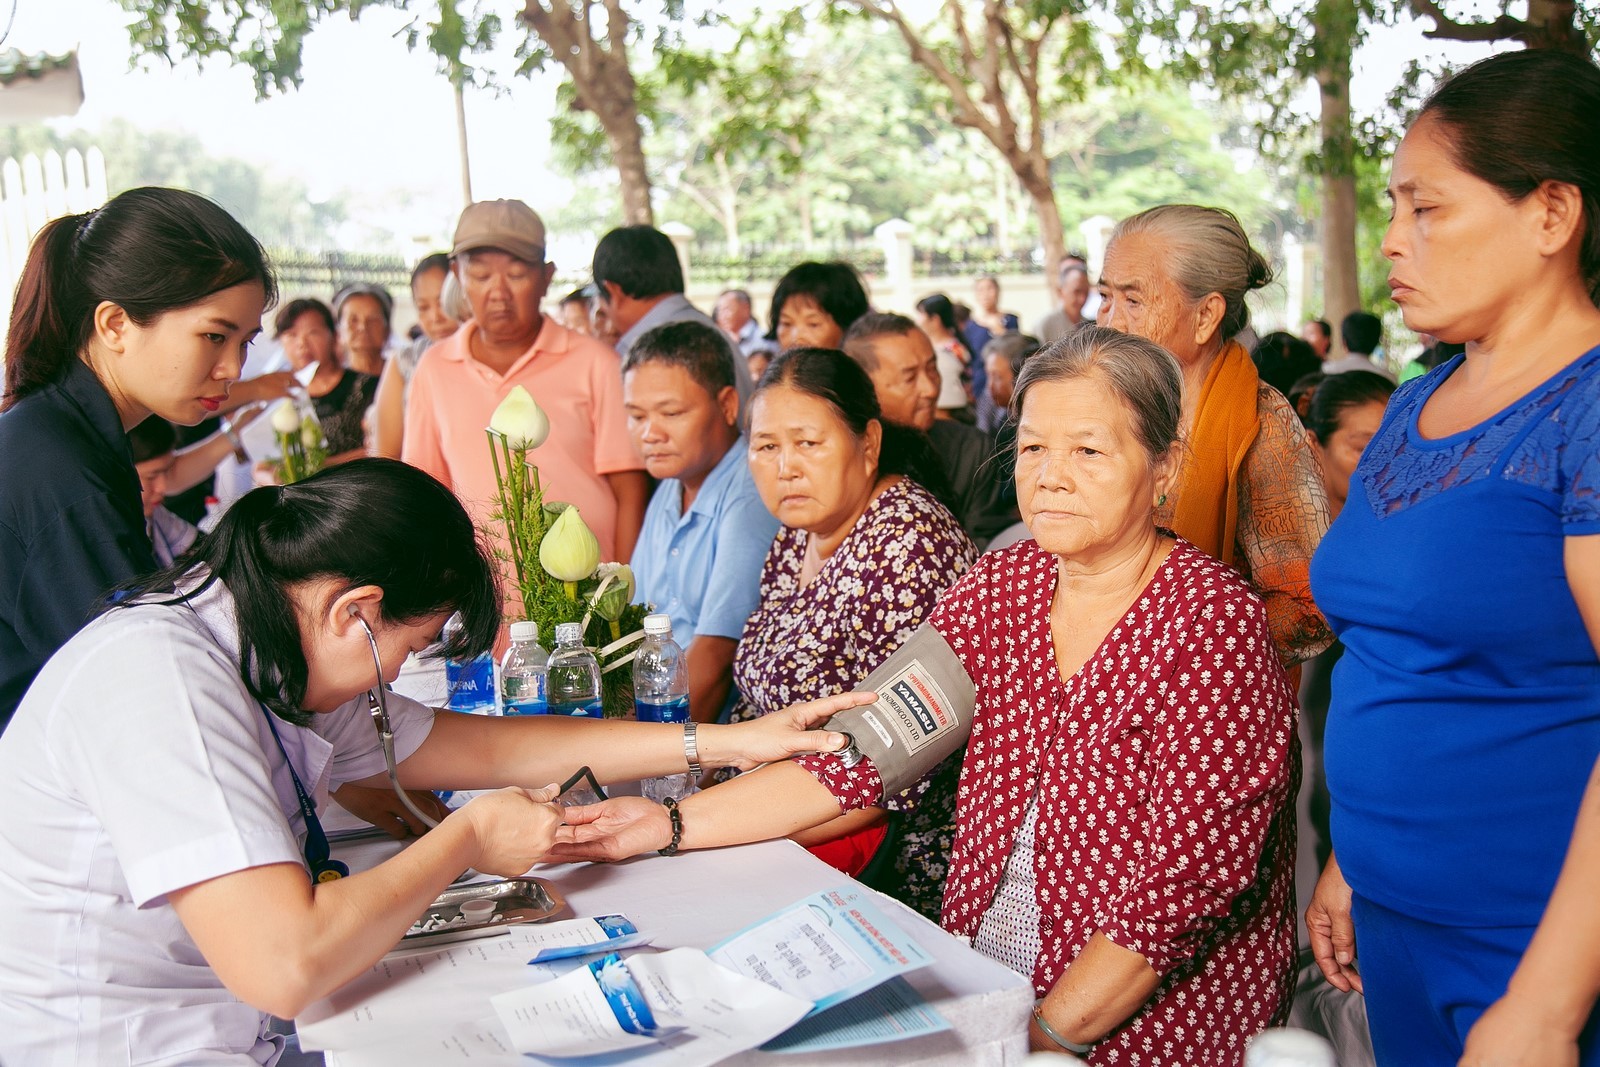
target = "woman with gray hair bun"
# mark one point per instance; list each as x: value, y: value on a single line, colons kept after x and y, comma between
x: 1124, y: 833
x: 1249, y: 492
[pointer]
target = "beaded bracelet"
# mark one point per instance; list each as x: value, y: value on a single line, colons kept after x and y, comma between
x: 677, y: 827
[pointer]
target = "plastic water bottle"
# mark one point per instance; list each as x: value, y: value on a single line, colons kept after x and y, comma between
x: 1289, y: 1047
x: 661, y: 694
x: 213, y: 515
x: 574, y: 675
x: 469, y: 684
x: 522, y: 672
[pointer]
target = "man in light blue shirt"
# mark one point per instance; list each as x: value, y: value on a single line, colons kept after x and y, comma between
x: 706, y: 532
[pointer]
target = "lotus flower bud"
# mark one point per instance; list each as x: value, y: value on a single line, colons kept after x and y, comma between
x: 520, y: 420
x: 285, y: 419
x: 569, y: 551
x: 618, y: 594
x: 310, y: 433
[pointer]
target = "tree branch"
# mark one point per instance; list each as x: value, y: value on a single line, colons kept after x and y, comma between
x: 969, y: 53
x: 967, y: 111
x: 709, y: 206
x: 1446, y: 28
x: 617, y: 23
x: 989, y: 67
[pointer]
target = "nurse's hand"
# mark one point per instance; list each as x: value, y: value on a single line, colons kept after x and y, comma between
x: 779, y: 735
x: 382, y: 808
x: 514, y: 828
x: 1333, y: 934
x: 613, y: 830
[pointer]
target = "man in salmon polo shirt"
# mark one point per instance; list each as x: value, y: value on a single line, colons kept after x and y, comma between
x: 588, y: 459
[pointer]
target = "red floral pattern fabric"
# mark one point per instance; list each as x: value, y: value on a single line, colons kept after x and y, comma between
x: 1165, y: 768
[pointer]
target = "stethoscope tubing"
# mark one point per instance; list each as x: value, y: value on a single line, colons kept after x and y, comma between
x: 379, y: 708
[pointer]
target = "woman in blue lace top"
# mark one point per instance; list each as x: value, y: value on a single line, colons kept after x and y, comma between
x: 1463, y: 577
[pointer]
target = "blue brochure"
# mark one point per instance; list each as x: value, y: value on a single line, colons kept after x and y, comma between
x: 824, y: 949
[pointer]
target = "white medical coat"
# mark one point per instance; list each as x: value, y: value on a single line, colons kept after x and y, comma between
x: 138, y: 764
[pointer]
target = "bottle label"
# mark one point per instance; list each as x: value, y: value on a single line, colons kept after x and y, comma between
x: 470, y: 684
x: 579, y: 709
x: 674, y: 710
x: 526, y: 707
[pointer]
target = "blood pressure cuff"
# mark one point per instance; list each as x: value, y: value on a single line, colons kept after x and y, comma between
x: 922, y: 714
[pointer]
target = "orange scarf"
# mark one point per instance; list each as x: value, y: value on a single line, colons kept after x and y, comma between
x: 1225, y: 425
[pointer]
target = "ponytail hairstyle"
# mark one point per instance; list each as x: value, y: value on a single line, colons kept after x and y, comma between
x: 1338, y: 393
x: 368, y: 522
x: 938, y: 306
x: 148, y: 250
x: 833, y: 377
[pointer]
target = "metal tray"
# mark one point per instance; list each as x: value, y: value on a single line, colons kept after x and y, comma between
x: 516, y: 900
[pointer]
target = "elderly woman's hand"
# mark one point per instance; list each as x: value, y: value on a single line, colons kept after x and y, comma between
x: 614, y: 830
x: 1333, y: 934
x: 779, y: 735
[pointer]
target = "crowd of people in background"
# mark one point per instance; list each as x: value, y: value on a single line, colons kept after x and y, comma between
x: 1150, y: 537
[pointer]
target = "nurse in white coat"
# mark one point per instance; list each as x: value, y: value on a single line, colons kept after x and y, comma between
x: 156, y: 897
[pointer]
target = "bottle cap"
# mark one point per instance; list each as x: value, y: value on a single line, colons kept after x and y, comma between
x: 524, y: 631
x: 477, y: 910
x: 656, y: 625
x: 1288, y: 1047
x: 569, y: 633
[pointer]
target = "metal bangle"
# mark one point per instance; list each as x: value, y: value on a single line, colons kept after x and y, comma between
x: 691, y: 747
x: 1048, y: 1030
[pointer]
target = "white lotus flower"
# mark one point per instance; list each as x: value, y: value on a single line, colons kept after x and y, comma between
x: 520, y: 420
x: 285, y: 417
x: 569, y: 552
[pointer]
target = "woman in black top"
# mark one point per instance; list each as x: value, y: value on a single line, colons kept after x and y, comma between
x: 144, y: 306
x: 341, y: 397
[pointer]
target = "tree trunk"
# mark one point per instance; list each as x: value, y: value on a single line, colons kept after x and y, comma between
x: 1035, y: 178
x: 1552, y: 24
x: 1335, y: 24
x: 627, y: 151
x: 602, y: 83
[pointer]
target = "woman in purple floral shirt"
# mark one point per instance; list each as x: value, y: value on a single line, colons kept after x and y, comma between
x: 864, y: 551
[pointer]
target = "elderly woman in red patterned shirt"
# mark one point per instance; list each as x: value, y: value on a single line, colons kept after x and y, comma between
x: 1124, y: 827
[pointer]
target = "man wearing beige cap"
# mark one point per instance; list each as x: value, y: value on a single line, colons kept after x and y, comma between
x: 588, y: 459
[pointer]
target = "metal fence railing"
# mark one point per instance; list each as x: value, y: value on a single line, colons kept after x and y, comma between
x: 328, y: 272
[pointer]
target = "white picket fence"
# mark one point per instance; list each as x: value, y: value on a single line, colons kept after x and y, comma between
x: 34, y: 190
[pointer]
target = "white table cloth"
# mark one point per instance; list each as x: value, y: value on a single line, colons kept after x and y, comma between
x: 698, y: 898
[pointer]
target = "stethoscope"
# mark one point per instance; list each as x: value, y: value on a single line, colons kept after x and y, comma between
x: 318, y: 853
x: 379, y: 709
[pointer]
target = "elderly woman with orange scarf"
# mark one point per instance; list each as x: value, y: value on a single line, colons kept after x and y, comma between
x: 1250, y: 492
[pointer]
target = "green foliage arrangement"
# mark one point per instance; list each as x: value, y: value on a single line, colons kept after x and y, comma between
x: 555, y: 558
